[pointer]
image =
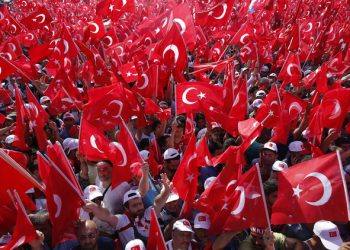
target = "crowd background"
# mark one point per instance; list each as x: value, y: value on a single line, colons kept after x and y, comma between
x: 174, y: 125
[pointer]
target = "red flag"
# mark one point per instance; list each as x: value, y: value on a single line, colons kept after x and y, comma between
x: 38, y: 19
x: 92, y: 142
x: 270, y: 109
x: 20, y: 130
x: 334, y: 107
x: 294, y: 105
x: 95, y: 29
x: 245, y: 206
x: 24, y: 231
x: 172, y: 50
x: 155, y: 239
x: 291, y: 71
x: 6, y: 68
x: 213, y: 198
x: 182, y: 16
x: 203, y: 154
x: 239, y: 107
x: 311, y: 191
x: 129, y: 72
x: 124, y: 154
x: 186, y: 177
x: 321, y: 78
x: 37, y: 119
x: 63, y: 200
x: 250, y: 130
x: 216, y: 16
x: 190, y: 95
x: 147, y: 82
x: 244, y: 35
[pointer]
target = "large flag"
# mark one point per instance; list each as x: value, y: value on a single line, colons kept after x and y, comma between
x: 311, y: 191
x: 190, y: 95
x: 63, y: 200
x: 244, y: 206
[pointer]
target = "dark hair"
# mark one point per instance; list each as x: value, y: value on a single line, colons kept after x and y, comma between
x: 180, y: 121
x: 213, y: 146
x: 143, y: 144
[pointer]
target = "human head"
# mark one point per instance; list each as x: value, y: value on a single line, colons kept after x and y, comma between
x: 87, y: 235
x: 179, y: 126
x: 133, y: 203
x: 68, y: 120
x: 171, y: 161
x: 172, y: 204
x: 104, y: 171
x: 296, y: 149
x: 270, y: 189
x: 257, y: 235
x: 328, y: 234
x: 93, y: 193
x: 268, y: 154
x: 135, y: 244
x: 182, y: 234
x: 201, y: 226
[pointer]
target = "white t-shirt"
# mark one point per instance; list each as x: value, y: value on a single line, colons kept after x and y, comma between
x: 169, y: 245
x: 113, y: 198
x: 141, y: 224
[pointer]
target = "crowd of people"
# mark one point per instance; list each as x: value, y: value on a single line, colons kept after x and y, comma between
x: 108, y: 142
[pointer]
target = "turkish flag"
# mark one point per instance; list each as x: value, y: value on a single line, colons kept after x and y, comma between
x: 203, y: 154
x: 294, y: 43
x: 249, y: 130
x: 24, y: 231
x: 37, y: 119
x: 95, y: 30
x: 172, y: 50
x: 21, y: 128
x: 92, y: 142
x: 129, y: 72
x: 239, y: 106
x: 182, y: 16
x: 334, y: 107
x: 227, y: 122
x: 244, y: 206
x: 6, y: 68
x: 269, y: 111
x: 190, y: 95
x: 124, y: 155
x: 213, y: 198
x: 321, y: 78
x: 155, y: 239
x: 38, y: 19
x: 19, y: 157
x: 147, y: 82
x: 291, y: 71
x: 63, y: 200
x: 185, y: 179
x: 244, y: 35
x: 294, y: 105
x: 216, y: 16
x: 56, y: 154
x: 311, y: 191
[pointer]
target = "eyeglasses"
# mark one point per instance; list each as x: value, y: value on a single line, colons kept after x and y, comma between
x: 89, y: 236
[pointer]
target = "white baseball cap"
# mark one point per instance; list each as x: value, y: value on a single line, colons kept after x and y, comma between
x: 208, y: 181
x: 92, y: 192
x: 260, y: 93
x: 296, y: 146
x: 10, y: 139
x: 183, y: 225
x: 144, y: 154
x: 70, y: 144
x: 279, y: 166
x: 329, y: 234
x: 44, y: 99
x: 135, y: 245
x: 131, y: 194
x: 271, y: 146
x: 170, y: 153
x: 172, y: 197
x: 257, y: 103
x: 202, y: 220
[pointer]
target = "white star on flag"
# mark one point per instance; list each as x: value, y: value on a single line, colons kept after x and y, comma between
x: 297, y: 191
x: 190, y: 178
x: 99, y: 72
x: 201, y: 95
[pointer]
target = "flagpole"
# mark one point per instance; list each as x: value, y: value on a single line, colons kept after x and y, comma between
x: 20, y: 169
x: 344, y: 183
x: 264, y: 200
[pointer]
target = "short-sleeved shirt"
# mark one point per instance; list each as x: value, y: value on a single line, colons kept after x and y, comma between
x: 169, y: 245
x: 140, y: 224
x: 248, y: 243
